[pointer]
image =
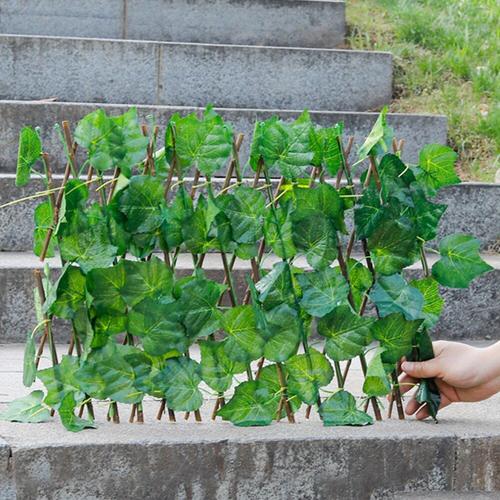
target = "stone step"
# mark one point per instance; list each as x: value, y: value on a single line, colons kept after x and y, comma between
x: 298, y: 23
x: 472, y: 208
x: 392, y: 459
x: 470, y: 314
x: 416, y: 130
x: 187, y: 74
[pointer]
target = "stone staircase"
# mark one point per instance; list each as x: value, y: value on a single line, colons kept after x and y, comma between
x: 60, y: 60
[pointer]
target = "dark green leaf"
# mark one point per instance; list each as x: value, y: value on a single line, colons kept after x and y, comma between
x: 105, y: 286
x: 360, y: 279
x: 325, y: 142
x: 174, y: 216
x: 70, y: 293
x: 275, y: 287
x: 282, y: 333
x: 428, y: 392
x: 340, y: 409
x: 70, y: 421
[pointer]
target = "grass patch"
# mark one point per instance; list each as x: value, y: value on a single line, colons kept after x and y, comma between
x: 445, y: 61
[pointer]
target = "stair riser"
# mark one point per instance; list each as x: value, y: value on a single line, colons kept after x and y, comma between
x: 245, y: 22
x: 470, y: 314
x: 417, y: 130
x: 472, y: 209
x: 95, y: 70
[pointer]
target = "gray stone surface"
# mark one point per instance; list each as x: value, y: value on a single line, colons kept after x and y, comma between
x: 219, y: 461
x: 469, y: 314
x: 7, y: 488
x: 98, y: 70
x: 250, y: 22
x: 472, y: 209
x: 417, y: 130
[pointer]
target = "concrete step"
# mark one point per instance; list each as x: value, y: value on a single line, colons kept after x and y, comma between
x: 298, y: 23
x: 470, y: 314
x: 457, y: 459
x: 186, y: 74
x: 472, y: 208
x: 417, y: 130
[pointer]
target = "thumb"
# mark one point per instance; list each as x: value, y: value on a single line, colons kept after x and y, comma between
x: 423, y: 369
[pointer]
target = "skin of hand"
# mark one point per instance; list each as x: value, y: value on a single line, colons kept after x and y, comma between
x: 462, y: 373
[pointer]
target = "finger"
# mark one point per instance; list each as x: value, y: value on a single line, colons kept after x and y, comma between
x: 406, y: 383
x: 423, y: 369
x: 422, y: 411
x: 412, y: 406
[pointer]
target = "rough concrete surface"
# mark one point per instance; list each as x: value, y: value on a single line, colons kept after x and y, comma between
x: 218, y: 460
x: 92, y: 70
x: 417, y: 130
x: 250, y: 22
x: 470, y: 314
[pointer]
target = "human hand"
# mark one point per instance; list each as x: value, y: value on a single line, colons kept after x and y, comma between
x: 462, y: 373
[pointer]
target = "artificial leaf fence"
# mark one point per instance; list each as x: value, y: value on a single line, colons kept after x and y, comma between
x: 121, y: 220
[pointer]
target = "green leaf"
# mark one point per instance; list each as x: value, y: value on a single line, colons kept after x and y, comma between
x: 159, y: 327
x: 253, y: 404
x: 274, y: 288
x: 307, y: 374
x: 197, y: 225
x: 393, y: 246
x: 426, y: 215
x: 286, y: 146
x: 433, y: 302
x: 340, y: 409
x: 269, y: 376
x: 29, y: 151
x: 29, y: 409
x: 179, y: 382
x: 325, y: 142
x: 428, y: 392
x: 393, y: 294
x: 347, y: 333
x: 60, y: 380
x: 278, y: 231
x: 105, y: 286
x: 322, y: 291
x: 44, y: 220
x: 29, y: 367
x: 112, y: 141
x: 205, y: 144
x: 369, y: 213
x: 70, y: 293
x: 460, y: 261
x: 379, y: 139
x: 174, y: 216
x: 437, y: 167
x: 360, y: 279
x: 147, y: 280
x: 70, y: 421
x: 377, y: 383
x: 142, y: 202
x: 282, y: 333
x: 217, y: 370
x: 396, y: 336
x: 244, y: 343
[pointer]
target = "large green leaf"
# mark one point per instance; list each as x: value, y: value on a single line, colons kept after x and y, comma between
x: 322, y: 291
x: 147, y: 280
x: 105, y: 286
x: 179, y: 382
x: 142, y: 203
x: 340, y: 409
x: 244, y: 343
x: 275, y: 288
x: 174, y: 216
x: 393, y: 294
x: 29, y: 409
x: 253, y: 404
x: 286, y: 146
x: 369, y: 213
x: 360, y: 279
x: 196, y: 230
x: 112, y: 141
x: 278, y: 231
x: 159, y: 327
x: 380, y: 138
x: 347, y: 333
x: 217, y: 370
x: 29, y: 151
x: 307, y: 373
x: 460, y: 261
x: 70, y: 421
x: 396, y: 336
x: 377, y: 383
x: 433, y: 302
x: 437, y: 167
x: 70, y: 293
x: 205, y: 144
x: 269, y: 375
x: 282, y: 333
x: 44, y: 220
x: 393, y: 246
x: 325, y: 142
x: 426, y: 215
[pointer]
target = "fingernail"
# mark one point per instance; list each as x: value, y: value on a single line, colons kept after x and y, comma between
x: 407, y: 365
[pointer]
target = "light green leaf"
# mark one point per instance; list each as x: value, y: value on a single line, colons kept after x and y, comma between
x: 274, y: 288
x: 377, y: 383
x: 340, y: 409
x: 174, y: 216
x: 393, y: 294
x: 29, y: 367
x: 322, y: 291
x: 433, y: 302
x: 29, y: 151
x: 347, y: 333
x: 282, y: 333
x: 278, y: 231
x: 437, y: 167
x: 44, y: 220
x: 360, y: 279
x: 460, y: 261
x: 253, y: 404
x: 29, y: 409
x: 70, y: 421
x: 325, y: 142
x: 70, y: 293
x: 380, y: 138
x: 105, y: 286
